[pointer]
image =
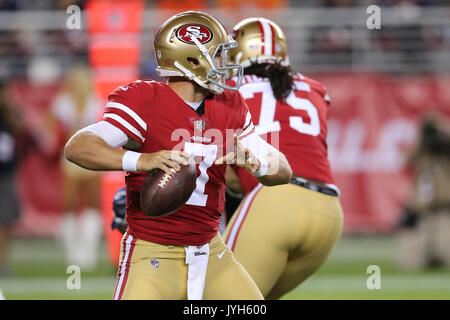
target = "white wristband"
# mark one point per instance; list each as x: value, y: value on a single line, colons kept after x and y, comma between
x: 129, y: 161
x: 263, y: 168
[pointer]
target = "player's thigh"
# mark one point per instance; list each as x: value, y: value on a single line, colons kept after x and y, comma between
x: 226, y: 279
x: 265, y: 264
x: 163, y: 283
x: 296, y: 272
x: 147, y: 272
x: 310, y: 254
x: 260, y: 236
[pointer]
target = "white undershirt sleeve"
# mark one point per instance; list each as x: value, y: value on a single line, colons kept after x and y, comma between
x: 112, y: 135
x: 257, y: 145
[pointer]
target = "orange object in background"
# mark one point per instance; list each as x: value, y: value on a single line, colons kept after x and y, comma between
x: 114, y: 29
x: 114, y: 16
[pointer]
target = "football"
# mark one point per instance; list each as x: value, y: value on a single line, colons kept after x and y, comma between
x: 163, y: 194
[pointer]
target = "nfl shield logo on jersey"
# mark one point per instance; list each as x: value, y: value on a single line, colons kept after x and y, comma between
x: 200, y: 125
x: 154, y: 263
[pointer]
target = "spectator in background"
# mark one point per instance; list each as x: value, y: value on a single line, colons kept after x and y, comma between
x: 72, y: 109
x: 424, y: 229
x: 10, y: 132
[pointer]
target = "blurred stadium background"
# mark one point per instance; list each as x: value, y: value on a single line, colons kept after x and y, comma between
x: 382, y: 83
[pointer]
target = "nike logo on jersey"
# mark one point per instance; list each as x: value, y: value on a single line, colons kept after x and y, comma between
x: 124, y: 88
x: 220, y: 255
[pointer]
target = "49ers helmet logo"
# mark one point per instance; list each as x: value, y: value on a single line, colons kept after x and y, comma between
x: 200, y: 32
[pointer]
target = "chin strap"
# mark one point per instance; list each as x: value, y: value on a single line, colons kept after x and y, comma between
x: 185, y: 71
x: 212, y: 86
x: 204, y: 52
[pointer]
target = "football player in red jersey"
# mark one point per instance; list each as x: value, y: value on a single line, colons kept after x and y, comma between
x: 295, y: 226
x: 194, y: 114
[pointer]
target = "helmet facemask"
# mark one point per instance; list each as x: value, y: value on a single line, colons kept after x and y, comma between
x: 216, y: 76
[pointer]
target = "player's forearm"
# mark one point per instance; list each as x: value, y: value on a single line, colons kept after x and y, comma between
x: 91, y: 152
x: 279, y: 171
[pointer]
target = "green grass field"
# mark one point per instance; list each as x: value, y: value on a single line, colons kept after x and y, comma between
x: 39, y: 272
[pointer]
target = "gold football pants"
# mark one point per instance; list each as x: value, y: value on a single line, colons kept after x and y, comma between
x: 283, y: 234
x: 149, y: 270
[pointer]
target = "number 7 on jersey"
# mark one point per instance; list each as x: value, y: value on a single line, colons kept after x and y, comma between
x: 209, y: 153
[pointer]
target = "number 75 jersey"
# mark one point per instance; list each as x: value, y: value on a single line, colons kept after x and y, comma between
x: 155, y: 116
x: 297, y: 127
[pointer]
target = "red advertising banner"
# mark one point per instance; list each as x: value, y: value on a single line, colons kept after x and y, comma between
x: 374, y: 120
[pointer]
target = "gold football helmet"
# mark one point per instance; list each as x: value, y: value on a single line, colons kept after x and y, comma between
x: 259, y: 40
x: 194, y: 45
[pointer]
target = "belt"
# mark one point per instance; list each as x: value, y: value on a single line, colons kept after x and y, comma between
x: 316, y: 186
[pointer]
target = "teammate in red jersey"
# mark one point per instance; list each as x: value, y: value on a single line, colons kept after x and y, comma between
x: 294, y: 226
x: 194, y: 115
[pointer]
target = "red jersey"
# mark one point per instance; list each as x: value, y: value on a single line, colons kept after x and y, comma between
x: 297, y: 127
x: 155, y: 116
